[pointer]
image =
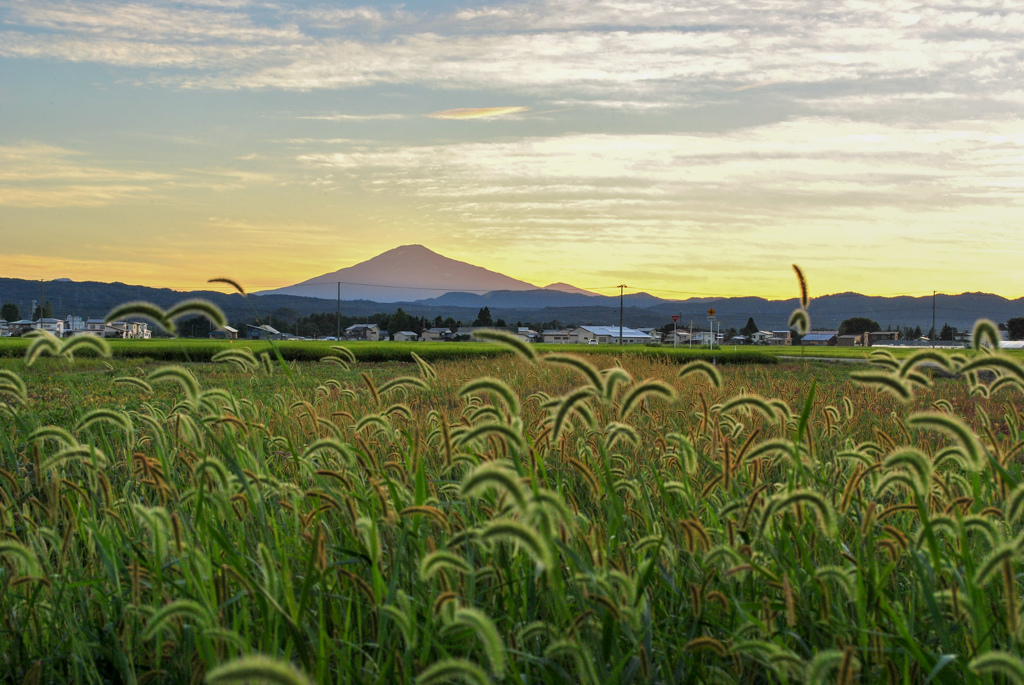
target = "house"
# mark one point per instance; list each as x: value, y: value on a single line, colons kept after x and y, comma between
x: 363, y: 331
x: 869, y: 339
x: 848, y: 341
x: 738, y: 340
x: 781, y: 338
x: 820, y: 339
x: 52, y: 326
x: 608, y: 335
x: 224, y: 333
x: 96, y: 327
x: 682, y: 337
x: 21, y: 326
x: 435, y: 334
x: 4, y: 329
x: 527, y: 335
x: 406, y: 336
x: 553, y: 335
x: 653, y: 333
x: 760, y: 337
x: 705, y: 338
x: 135, y: 330
x: 263, y: 332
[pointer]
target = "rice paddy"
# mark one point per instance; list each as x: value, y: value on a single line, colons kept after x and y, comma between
x: 522, y: 517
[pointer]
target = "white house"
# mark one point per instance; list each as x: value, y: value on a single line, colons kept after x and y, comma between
x: 53, y: 326
x: 760, y: 337
x: 406, y: 336
x: 654, y: 333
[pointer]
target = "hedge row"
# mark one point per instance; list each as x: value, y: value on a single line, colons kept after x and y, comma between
x: 311, y: 351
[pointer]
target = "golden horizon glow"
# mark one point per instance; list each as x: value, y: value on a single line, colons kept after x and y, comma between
x: 173, y: 277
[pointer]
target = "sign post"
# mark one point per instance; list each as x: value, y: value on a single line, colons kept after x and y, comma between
x: 711, y: 321
x: 675, y: 338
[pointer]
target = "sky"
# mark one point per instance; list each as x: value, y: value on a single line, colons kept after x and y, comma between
x: 682, y: 148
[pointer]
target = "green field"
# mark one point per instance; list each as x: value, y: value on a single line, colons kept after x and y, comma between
x: 186, y: 350
x: 614, y: 517
x: 191, y: 350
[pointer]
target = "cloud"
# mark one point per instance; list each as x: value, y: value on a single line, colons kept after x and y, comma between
x: 865, y: 181
x: 355, y: 117
x: 477, y: 112
x: 603, y: 51
x: 40, y: 175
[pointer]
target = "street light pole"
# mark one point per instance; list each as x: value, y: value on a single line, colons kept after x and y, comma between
x: 622, y: 289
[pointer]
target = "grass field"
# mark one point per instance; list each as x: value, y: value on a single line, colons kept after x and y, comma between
x: 490, y: 518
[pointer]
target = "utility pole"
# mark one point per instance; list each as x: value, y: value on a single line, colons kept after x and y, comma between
x: 689, y: 341
x: 933, y: 319
x: 622, y: 289
x: 711, y: 327
x: 337, y: 318
x: 40, y: 303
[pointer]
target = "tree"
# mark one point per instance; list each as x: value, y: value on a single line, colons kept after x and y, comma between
x: 857, y: 325
x: 750, y: 328
x: 947, y: 332
x: 1014, y: 326
x: 483, y: 318
x: 400, y: 321
x: 10, y: 312
x: 194, y: 327
x: 45, y: 313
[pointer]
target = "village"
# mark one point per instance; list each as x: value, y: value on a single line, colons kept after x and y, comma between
x: 668, y: 335
x: 577, y: 335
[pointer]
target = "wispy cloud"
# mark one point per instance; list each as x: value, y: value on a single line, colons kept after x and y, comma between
x: 40, y: 175
x: 355, y: 117
x: 570, y: 49
x: 477, y: 112
x: 862, y: 182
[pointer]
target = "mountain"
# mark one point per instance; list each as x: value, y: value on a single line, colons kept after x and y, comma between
x: 566, y: 288
x: 404, y: 274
